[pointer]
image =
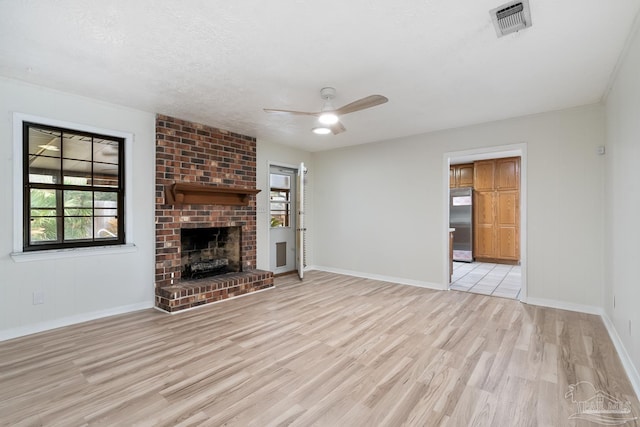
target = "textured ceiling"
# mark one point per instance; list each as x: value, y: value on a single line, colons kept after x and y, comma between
x: 221, y: 62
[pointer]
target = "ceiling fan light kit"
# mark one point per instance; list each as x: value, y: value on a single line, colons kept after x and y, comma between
x: 329, y: 117
x: 321, y: 130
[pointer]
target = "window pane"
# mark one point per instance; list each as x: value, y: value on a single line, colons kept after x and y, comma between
x: 106, y: 227
x: 280, y: 181
x: 105, y: 151
x: 105, y: 175
x: 78, y: 228
x: 279, y: 219
x: 76, y: 172
x: 78, y: 199
x: 106, y: 198
x: 280, y: 206
x: 42, y: 179
x: 44, y: 229
x: 44, y: 169
x: 279, y: 195
x: 44, y: 142
x: 42, y: 198
x: 76, y: 147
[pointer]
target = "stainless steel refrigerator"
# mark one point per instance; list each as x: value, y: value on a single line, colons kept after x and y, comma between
x: 460, y: 218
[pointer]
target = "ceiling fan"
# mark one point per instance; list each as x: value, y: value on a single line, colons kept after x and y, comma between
x: 329, y: 117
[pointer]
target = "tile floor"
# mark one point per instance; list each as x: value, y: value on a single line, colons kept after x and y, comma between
x: 498, y: 280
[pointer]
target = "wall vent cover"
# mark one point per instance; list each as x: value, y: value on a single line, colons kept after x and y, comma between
x: 511, y: 17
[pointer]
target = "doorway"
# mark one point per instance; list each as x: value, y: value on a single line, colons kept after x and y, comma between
x: 493, y: 279
x: 283, y: 221
x: 498, y: 265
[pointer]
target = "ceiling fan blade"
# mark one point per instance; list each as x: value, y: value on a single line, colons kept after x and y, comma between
x: 337, y: 128
x: 297, y: 113
x: 361, y: 104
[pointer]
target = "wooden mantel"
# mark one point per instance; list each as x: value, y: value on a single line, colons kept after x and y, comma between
x: 184, y: 193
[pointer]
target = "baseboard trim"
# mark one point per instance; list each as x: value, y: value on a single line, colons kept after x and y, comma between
x: 564, y: 305
x: 9, y: 334
x: 625, y: 358
x: 399, y: 280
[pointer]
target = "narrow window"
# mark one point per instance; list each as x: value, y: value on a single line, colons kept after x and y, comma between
x: 280, y: 200
x: 73, y: 188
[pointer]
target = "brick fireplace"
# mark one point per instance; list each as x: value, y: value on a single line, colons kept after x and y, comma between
x: 205, y: 179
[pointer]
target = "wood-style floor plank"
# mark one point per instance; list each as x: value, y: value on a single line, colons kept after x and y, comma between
x: 332, y: 350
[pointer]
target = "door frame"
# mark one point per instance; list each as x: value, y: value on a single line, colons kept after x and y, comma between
x: 271, y: 163
x: 485, y: 153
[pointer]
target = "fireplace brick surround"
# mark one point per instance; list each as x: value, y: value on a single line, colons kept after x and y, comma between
x: 194, y: 153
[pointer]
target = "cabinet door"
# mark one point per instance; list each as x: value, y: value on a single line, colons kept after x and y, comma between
x: 485, y: 245
x: 484, y: 229
x: 464, y: 175
x: 484, y: 172
x: 508, y: 173
x: 452, y: 177
x: 507, y: 225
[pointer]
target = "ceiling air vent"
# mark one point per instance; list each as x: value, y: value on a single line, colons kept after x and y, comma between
x: 511, y: 17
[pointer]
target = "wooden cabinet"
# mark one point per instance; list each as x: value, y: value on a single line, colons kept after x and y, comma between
x: 461, y: 176
x: 465, y: 175
x: 507, y: 174
x: 484, y: 179
x: 497, y: 209
x: 507, y: 225
x: 483, y: 228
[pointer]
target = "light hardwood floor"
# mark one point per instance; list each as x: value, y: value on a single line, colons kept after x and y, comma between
x: 331, y: 351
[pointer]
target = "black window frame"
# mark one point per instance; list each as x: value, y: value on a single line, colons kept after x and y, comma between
x: 61, y: 243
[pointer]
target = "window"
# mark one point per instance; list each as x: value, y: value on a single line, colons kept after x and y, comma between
x: 280, y: 200
x: 73, y: 188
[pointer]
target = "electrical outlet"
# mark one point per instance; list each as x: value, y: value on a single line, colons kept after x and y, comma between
x: 38, y: 297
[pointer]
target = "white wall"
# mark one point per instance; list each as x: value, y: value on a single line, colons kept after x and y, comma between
x: 86, y: 287
x: 273, y: 153
x: 379, y: 207
x: 623, y: 204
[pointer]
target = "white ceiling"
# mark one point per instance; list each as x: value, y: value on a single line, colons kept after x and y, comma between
x: 221, y: 62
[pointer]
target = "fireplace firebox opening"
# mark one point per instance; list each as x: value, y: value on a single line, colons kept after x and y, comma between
x: 209, y: 251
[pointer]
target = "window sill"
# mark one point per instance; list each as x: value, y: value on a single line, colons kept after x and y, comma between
x: 72, y: 253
